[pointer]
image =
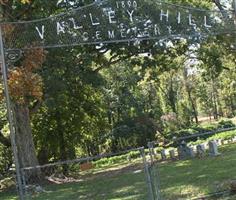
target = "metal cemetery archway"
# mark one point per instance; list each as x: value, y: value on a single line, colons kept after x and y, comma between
x: 116, y: 21
x: 104, y: 22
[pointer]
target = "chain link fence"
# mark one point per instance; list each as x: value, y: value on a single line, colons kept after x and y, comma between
x: 203, y: 171
x: 122, y: 175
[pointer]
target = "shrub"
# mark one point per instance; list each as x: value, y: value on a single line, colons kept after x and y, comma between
x: 116, y: 159
x: 226, y: 124
x: 5, y: 160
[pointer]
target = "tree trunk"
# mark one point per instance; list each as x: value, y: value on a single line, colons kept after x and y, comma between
x: 25, y: 144
x: 192, y: 105
x: 172, y: 97
x: 24, y: 138
x: 232, y: 106
x: 214, y: 99
x: 62, y: 145
x: 190, y: 98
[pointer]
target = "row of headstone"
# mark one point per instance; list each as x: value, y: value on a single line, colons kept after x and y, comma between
x: 223, y: 142
x: 186, y: 152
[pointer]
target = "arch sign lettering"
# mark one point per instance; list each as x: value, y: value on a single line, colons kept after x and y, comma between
x: 112, y: 21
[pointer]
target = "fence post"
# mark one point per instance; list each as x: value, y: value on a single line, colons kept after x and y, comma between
x: 24, y: 184
x: 154, y: 172
x: 151, y: 151
x: 234, y: 5
x: 19, y: 184
x: 147, y: 173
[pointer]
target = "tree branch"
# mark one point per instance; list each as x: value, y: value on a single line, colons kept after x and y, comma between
x: 221, y: 8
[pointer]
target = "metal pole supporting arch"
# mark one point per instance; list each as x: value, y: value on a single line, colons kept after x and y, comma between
x: 19, y: 184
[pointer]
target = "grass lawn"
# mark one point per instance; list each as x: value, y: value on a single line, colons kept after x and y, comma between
x: 193, y: 178
x: 179, y: 180
x: 127, y: 184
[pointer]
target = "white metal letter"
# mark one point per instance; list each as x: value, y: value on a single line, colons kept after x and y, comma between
x: 111, y: 34
x: 205, y: 22
x: 41, y: 33
x: 111, y: 16
x: 75, y: 26
x: 179, y: 17
x: 130, y: 15
x: 60, y: 28
x: 164, y: 15
x: 92, y: 21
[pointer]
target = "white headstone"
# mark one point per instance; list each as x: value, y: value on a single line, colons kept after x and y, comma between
x: 163, y: 154
x: 234, y: 139
x: 191, y: 152
x: 172, y: 154
x: 219, y: 142
x: 213, y: 149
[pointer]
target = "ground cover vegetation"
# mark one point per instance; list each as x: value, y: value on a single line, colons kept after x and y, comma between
x: 88, y: 100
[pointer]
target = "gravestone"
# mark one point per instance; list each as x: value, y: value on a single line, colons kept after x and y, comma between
x: 219, y: 142
x: 191, y: 152
x: 185, y: 152
x: 200, y: 150
x: 205, y: 145
x: 155, y: 152
x: 172, y: 154
x: 213, y: 149
x: 163, y: 154
x: 234, y: 139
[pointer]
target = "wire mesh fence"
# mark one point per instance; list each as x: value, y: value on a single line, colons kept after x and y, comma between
x: 115, y: 176
x: 203, y: 171
x: 7, y: 183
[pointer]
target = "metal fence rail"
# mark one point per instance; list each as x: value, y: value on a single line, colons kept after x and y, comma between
x: 119, y: 175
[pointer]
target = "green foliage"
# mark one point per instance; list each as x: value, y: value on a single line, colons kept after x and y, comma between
x: 117, y: 159
x: 224, y: 136
x: 226, y: 124
x: 5, y: 160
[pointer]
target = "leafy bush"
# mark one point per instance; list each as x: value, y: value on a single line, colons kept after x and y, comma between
x: 226, y: 124
x: 5, y: 160
x: 225, y: 135
x: 116, y: 159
